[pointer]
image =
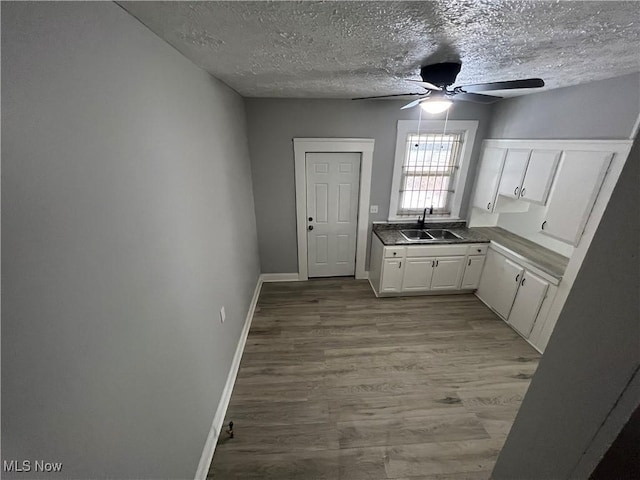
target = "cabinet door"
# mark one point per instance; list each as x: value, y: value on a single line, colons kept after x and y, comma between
x: 575, y: 189
x: 527, y: 303
x: 392, y: 275
x: 472, y: 271
x: 499, y: 282
x: 417, y: 274
x: 539, y: 176
x: 513, y: 172
x: 488, y: 178
x: 447, y: 273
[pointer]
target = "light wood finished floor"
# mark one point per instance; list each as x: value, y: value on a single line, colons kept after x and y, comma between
x: 335, y: 383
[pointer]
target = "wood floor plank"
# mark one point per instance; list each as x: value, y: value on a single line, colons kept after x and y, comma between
x: 335, y: 383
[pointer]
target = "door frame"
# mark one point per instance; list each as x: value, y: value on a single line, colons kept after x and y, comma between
x: 302, y: 146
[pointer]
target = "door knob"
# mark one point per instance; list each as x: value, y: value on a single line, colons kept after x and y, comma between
x: 311, y: 219
x: 310, y: 227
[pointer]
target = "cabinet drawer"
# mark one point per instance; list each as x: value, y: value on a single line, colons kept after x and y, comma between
x: 436, y: 250
x: 479, y: 249
x: 394, y: 252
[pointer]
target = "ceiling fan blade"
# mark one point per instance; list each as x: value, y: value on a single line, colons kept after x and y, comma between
x: 427, y: 85
x: 476, y: 97
x: 508, y: 85
x: 412, y: 104
x: 389, y: 96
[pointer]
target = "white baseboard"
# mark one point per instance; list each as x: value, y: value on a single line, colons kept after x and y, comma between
x: 279, y: 277
x: 218, y: 419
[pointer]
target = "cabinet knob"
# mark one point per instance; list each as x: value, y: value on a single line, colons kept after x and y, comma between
x: 395, y: 253
x: 522, y: 283
x: 479, y: 250
x: 489, y: 206
x: 515, y: 192
x: 311, y: 219
x: 310, y: 227
x: 522, y: 192
x: 399, y: 264
x: 469, y: 262
x: 543, y: 224
x: 517, y: 278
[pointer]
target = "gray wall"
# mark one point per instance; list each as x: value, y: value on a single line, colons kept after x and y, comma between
x: 273, y: 123
x: 605, y: 110
x: 127, y: 222
x: 593, y: 352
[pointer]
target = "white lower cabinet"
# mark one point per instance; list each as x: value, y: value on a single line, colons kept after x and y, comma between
x: 527, y: 304
x: 447, y: 273
x: 425, y: 268
x: 512, y: 291
x: 417, y: 274
x: 472, y: 271
x: 499, y: 282
x: 392, y: 272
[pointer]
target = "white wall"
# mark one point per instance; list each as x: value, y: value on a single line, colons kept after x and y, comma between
x: 273, y: 123
x: 606, y: 109
x: 127, y: 222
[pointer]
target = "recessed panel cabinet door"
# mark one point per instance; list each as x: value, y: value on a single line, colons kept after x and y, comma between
x: 392, y: 271
x: 573, y: 194
x: 515, y: 164
x: 499, y: 282
x: 472, y: 271
x: 527, y: 303
x: 447, y: 273
x: 417, y: 274
x: 537, y: 181
x: 488, y: 178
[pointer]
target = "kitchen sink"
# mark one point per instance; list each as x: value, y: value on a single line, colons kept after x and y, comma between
x: 415, y: 235
x: 440, y: 234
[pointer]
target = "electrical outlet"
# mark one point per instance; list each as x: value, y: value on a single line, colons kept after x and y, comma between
x: 223, y: 315
x: 373, y: 209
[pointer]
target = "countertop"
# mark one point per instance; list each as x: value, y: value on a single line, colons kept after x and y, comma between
x: 389, y: 234
x: 546, y: 260
x: 541, y: 257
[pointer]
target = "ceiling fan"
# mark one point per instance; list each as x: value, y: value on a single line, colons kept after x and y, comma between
x: 438, y: 77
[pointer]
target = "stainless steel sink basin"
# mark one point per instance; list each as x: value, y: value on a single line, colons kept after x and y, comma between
x: 415, y: 235
x: 440, y: 234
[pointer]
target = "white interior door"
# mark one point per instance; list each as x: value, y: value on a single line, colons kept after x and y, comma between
x: 333, y: 181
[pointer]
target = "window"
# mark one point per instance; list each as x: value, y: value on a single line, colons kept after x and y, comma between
x: 430, y: 168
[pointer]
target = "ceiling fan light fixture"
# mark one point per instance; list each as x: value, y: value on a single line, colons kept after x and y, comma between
x: 436, y: 105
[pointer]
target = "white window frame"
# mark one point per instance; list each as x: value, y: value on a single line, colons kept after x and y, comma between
x: 468, y: 128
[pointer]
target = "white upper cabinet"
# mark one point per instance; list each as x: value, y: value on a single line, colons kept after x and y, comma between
x: 488, y: 178
x: 515, y: 166
x: 574, y: 192
x: 539, y: 176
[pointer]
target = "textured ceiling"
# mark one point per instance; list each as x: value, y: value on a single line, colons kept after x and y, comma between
x: 343, y: 49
